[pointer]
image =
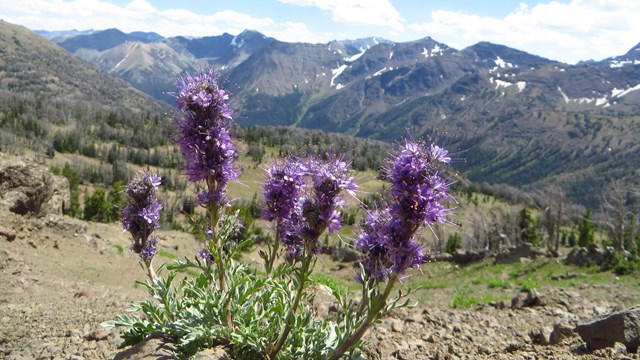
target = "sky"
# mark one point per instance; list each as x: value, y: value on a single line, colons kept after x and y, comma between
x: 565, y: 30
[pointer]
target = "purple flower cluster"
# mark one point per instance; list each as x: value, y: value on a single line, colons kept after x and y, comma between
x: 141, y: 214
x: 418, y: 192
x: 284, y: 185
x: 204, y: 138
x: 304, y: 198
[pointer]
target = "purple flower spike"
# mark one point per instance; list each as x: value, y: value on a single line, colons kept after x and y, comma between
x: 284, y: 185
x: 329, y: 179
x: 388, y: 237
x: 149, y: 249
x: 204, y: 138
x: 141, y: 214
x: 303, y: 209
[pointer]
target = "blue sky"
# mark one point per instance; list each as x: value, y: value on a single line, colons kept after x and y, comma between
x: 565, y: 30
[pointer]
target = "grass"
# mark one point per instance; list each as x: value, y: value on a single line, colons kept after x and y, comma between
x: 462, y: 300
x: 116, y: 249
x: 332, y: 283
x: 494, y: 283
x: 166, y: 254
x: 529, y: 284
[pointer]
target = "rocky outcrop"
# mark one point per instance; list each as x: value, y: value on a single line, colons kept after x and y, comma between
x: 581, y: 256
x: 463, y: 257
x: 515, y: 253
x: 27, y: 187
x: 622, y: 327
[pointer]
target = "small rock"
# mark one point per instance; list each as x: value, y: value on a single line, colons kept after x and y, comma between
x: 397, y: 325
x: 619, y: 349
x: 83, y: 293
x: 216, y: 353
x: 560, y: 332
x: 97, y: 335
x: 8, y: 234
x: 541, y: 336
x: 150, y: 348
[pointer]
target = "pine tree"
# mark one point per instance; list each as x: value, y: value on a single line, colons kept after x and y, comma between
x: 96, y: 207
x: 586, y: 230
x: 528, y: 230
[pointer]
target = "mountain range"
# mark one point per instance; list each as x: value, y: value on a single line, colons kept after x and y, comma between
x: 514, y: 117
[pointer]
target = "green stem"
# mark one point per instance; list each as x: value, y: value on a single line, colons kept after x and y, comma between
x: 302, y: 278
x: 214, y: 216
x: 148, y: 269
x: 372, y: 315
x: 273, y: 252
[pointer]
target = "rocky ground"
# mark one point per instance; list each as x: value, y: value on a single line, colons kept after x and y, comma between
x: 60, y: 278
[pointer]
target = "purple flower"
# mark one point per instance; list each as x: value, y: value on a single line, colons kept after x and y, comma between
x: 418, y: 192
x: 141, y: 214
x: 304, y: 197
x: 284, y: 185
x: 205, y: 255
x: 148, y: 251
x: 329, y: 179
x: 204, y: 138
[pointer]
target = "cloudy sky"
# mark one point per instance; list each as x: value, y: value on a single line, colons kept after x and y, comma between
x: 566, y: 30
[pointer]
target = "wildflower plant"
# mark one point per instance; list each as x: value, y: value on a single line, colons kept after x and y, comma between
x: 140, y: 217
x: 266, y: 315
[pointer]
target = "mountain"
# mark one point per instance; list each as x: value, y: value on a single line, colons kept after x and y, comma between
x: 53, y: 73
x: 59, y: 36
x: 151, y: 63
x: 48, y: 96
x: 632, y: 57
x: 515, y: 117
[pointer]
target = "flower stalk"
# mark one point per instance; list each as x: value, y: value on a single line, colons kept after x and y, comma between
x: 140, y: 217
x: 373, y: 313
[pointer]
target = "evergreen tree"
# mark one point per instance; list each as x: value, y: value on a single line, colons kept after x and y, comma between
x: 586, y: 230
x: 454, y: 242
x: 528, y: 230
x: 115, y: 200
x: 96, y: 206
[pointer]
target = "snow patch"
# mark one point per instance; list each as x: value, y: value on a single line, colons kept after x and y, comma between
x: 339, y: 86
x: 234, y: 42
x: 521, y: 85
x: 390, y: 55
x: 356, y: 56
x: 503, y: 84
x: 501, y: 63
x: 620, y: 93
x: 437, y: 50
x: 337, y: 72
x: 379, y: 72
x: 621, y: 63
x: 564, y: 96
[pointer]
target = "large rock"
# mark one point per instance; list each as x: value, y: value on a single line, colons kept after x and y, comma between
x: 60, y: 196
x: 622, y: 327
x: 463, y: 257
x: 27, y: 187
x: 515, y: 253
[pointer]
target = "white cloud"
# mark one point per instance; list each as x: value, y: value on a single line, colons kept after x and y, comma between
x: 578, y: 30
x: 141, y: 15
x: 369, y: 12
